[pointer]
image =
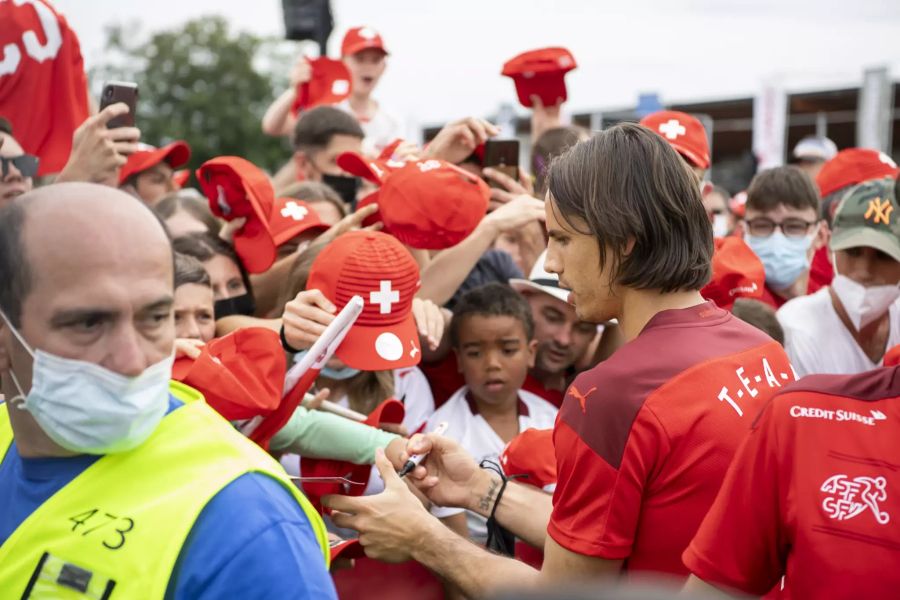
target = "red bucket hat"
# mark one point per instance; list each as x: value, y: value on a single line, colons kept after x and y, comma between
x: 431, y: 204
x: 358, y: 39
x: 540, y: 73
x: 237, y: 188
x: 330, y: 83
x: 291, y: 217
x: 685, y: 133
x: 376, y: 267
x: 736, y: 273
x: 176, y: 154
x: 240, y: 375
x: 852, y: 166
x: 390, y: 411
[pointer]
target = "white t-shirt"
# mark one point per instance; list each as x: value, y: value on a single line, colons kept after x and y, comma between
x: 382, y: 129
x: 473, y: 433
x: 817, y: 342
x: 410, y: 385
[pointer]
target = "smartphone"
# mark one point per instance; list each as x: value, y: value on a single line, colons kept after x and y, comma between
x: 120, y: 91
x: 502, y: 155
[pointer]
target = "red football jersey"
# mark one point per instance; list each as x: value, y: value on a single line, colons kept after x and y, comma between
x: 644, y: 439
x: 813, y: 495
x: 43, y: 88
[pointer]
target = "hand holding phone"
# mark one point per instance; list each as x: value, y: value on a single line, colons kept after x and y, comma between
x: 502, y: 155
x: 120, y: 91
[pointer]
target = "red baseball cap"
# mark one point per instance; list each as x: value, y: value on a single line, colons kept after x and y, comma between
x: 685, y: 133
x: 291, y: 217
x: 531, y: 454
x: 390, y: 411
x: 736, y: 273
x: 237, y: 188
x: 241, y: 375
x: 376, y: 267
x: 330, y: 83
x: 431, y: 204
x: 358, y: 39
x: 375, y: 170
x: 852, y: 166
x: 176, y: 154
x: 542, y: 73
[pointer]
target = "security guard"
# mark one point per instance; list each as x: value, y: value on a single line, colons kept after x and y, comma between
x: 115, y: 483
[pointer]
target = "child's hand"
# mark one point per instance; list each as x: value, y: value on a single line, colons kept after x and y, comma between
x: 429, y: 321
x: 306, y: 317
x: 188, y: 347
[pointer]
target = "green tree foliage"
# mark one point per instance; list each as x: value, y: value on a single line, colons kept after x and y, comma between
x: 201, y: 83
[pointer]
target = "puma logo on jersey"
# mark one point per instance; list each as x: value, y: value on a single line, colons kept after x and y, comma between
x: 575, y: 393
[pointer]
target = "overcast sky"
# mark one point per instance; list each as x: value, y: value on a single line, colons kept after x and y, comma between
x: 446, y: 56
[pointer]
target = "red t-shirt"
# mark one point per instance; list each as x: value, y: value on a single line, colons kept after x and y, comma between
x: 644, y: 439
x: 43, y: 88
x: 813, y: 495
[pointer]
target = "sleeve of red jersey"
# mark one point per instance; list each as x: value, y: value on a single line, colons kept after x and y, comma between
x: 596, y: 506
x: 741, y: 543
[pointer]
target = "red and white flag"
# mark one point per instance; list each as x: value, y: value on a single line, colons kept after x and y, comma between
x: 303, y: 374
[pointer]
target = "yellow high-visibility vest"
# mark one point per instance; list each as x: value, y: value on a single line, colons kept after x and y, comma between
x: 116, y: 530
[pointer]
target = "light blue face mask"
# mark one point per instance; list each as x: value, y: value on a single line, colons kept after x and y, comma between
x: 89, y: 409
x: 784, y: 258
x: 340, y: 374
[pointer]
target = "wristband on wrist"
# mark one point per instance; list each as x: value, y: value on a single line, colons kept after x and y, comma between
x: 284, y: 343
x: 498, y: 539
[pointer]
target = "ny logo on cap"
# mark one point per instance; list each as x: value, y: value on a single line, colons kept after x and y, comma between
x: 879, y: 211
x: 385, y: 297
x: 672, y: 129
x: 294, y: 211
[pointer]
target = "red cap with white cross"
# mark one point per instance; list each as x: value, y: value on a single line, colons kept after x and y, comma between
x: 291, y: 217
x: 685, y: 133
x: 378, y: 268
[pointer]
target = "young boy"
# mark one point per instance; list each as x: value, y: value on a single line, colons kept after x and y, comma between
x: 492, y: 333
x: 782, y: 226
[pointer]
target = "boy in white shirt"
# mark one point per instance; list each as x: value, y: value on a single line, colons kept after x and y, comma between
x: 492, y: 333
x: 846, y: 328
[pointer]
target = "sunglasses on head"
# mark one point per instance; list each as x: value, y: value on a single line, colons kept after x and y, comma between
x: 27, y: 164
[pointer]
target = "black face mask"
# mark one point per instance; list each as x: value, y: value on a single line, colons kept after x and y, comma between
x: 346, y: 187
x: 238, y: 305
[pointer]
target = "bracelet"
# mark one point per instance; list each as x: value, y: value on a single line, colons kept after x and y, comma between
x: 499, y: 539
x: 284, y: 343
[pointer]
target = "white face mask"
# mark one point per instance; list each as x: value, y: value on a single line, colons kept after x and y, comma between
x: 720, y: 225
x: 864, y: 304
x: 88, y: 409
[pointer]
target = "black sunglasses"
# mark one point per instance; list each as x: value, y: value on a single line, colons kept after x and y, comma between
x: 27, y: 164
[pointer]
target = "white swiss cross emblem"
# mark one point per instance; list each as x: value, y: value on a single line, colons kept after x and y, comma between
x: 367, y: 33
x: 429, y: 165
x: 847, y: 498
x: 339, y: 87
x: 294, y: 211
x: 672, y: 129
x: 385, y: 297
